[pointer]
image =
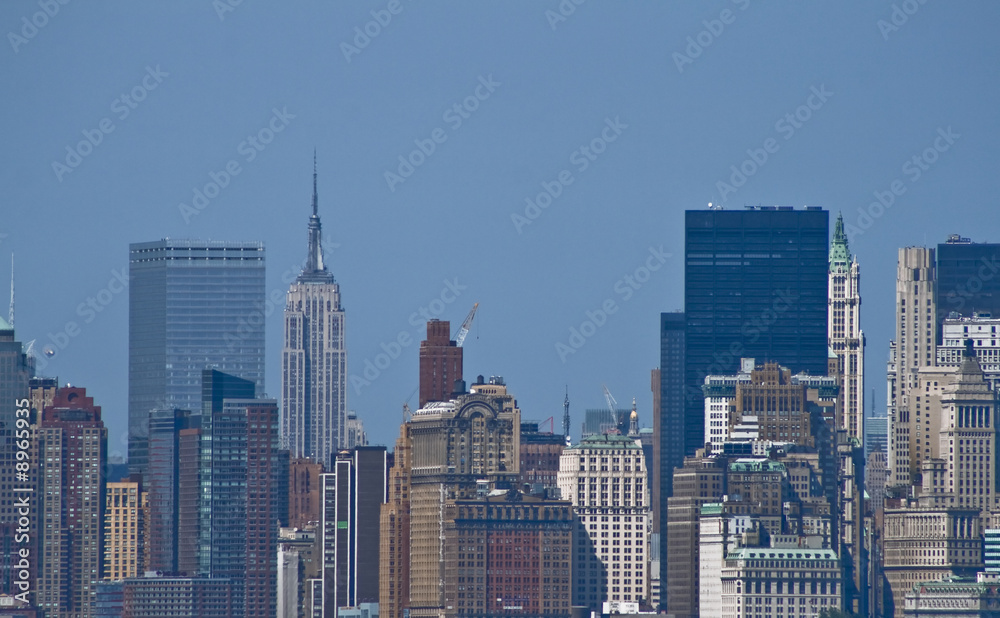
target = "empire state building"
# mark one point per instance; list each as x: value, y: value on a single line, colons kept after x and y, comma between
x: 314, y: 360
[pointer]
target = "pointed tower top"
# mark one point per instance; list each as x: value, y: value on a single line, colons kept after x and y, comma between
x: 315, y: 270
x: 315, y: 192
x: 11, y: 320
x: 840, y: 253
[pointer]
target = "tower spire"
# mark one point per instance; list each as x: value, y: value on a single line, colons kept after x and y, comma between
x: 566, y: 415
x: 11, y: 316
x: 315, y: 192
x: 315, y: 269
x: 840, y: 252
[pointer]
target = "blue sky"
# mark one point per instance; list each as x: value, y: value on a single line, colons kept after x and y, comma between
x: 628, y: 112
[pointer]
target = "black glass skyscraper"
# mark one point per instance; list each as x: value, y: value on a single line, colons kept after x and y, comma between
x: 968, y: 279
x: 755, y: 285
x: 192, y: 304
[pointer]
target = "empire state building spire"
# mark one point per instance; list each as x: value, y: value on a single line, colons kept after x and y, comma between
x: 315, y: 269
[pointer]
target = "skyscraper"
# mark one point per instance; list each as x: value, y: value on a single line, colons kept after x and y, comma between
x: 845, y: 336
x: 968, y: 278
x: 668, y: 430
x: 163, y: 482
x: 72, y: 450
x: 314, y: 359
x: 605, y: 478
x: 192, y: 304
x: 755, y: 285
x: 440, y: 363
x: 244, y: 497
x: 353, y: 495
x: 15, y: 371
x: 454, y: 450
x: 222, y: 476
x: 911, y: 350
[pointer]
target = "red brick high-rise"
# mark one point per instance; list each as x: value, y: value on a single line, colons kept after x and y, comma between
x: 440, y: 363
x: 71, y: 451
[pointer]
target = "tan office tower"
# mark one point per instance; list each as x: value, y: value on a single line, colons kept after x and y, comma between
x: 394, y: 543
x: 912, y: 349
x: 126, y: 507
x: 844, y: 332
x: 460, y: 448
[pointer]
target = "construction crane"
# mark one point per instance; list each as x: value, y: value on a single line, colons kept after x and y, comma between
x: 613, y: 407
x: 464, y: 330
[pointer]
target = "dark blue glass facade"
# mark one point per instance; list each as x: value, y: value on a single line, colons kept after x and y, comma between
x: 968, y: 279
x: 755, y: 285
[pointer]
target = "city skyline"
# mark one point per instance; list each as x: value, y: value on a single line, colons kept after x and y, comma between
x: 892, y: 91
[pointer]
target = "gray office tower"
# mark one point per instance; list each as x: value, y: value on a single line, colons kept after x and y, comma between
x: 16, y: 369
x: 192, y: 304
x: 755, y: 285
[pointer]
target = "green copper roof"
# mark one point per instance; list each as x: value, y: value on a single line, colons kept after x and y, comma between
x: 712, y: 508
x: 840, y: 254
x: 751, y: 465
x: 5, y: 325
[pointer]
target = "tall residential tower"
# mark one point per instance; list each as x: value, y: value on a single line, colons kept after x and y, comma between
x: 314, y: 359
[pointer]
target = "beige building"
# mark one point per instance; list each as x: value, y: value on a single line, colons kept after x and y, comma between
x: 394, y: 529
x: 455, y: 450
x: 125, y: 515
x: 912, y: 349
x: 605, y: 476
x: 762, y: 582
x: 926, y: 542
x: 969, y: 437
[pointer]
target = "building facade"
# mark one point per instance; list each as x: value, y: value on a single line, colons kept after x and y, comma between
x: 755, y: 285
x: 927, y: 542
x: 352, y: 498
x: 16, y: 369
x: 758, y: 581
x: 458, y: 449
x: 159, y: 596
x: 72, y: 446
x: 440, y: 363
x: 192, y: 304
x: 125, y: 516
x: 244, y: 500
x: 605, y: 477
x: 968, y: 278
x: 314, y: 357
x: 846, y: 339
x: 911, y: 350
x: 509, y: 554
